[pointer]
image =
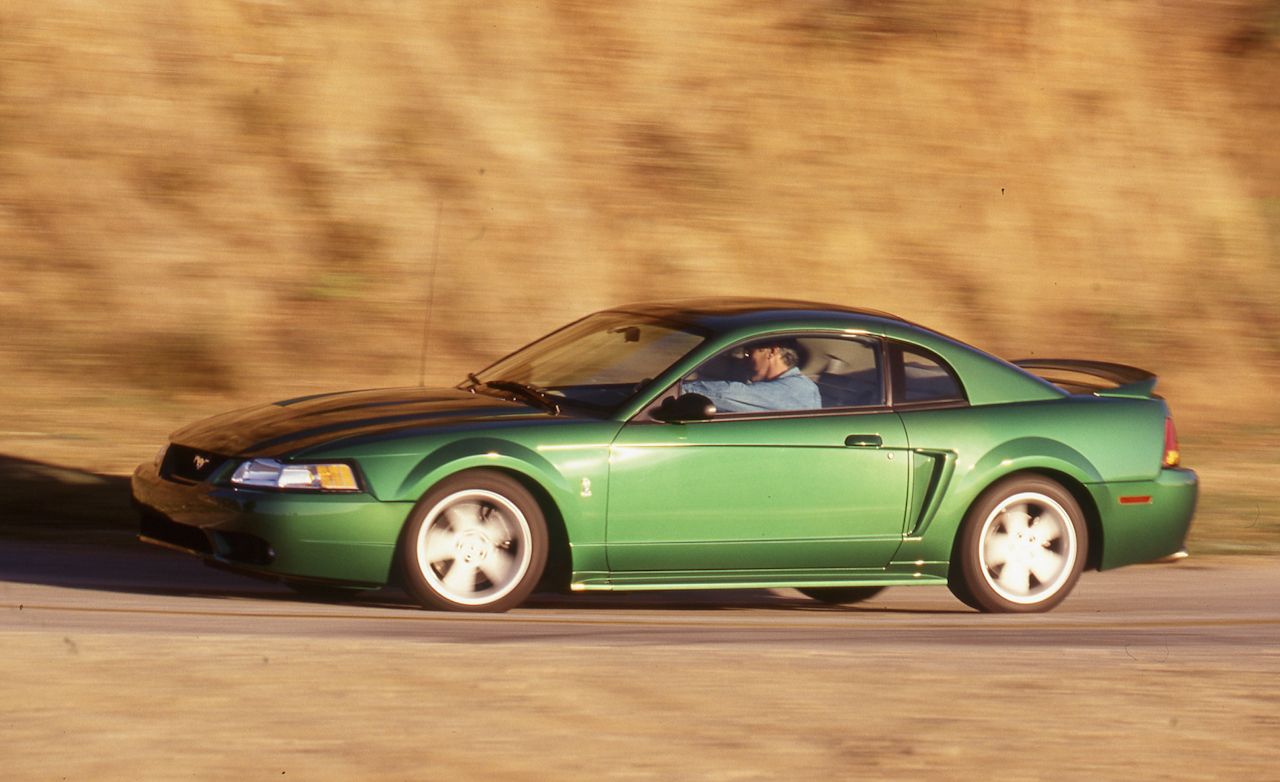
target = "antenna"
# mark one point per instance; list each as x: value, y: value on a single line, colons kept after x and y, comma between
x: 431, y: 298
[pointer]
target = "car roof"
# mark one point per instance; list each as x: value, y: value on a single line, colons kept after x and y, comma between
x: 989, y: 379
x: 723, y: 312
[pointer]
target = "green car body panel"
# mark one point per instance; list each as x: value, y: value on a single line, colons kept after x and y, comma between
x: 870, y: 495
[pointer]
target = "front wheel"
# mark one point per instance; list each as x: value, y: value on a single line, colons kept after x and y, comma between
x: 476, y: 542
x: 1021, y: 548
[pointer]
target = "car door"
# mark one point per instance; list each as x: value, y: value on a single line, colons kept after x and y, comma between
x: 824, y: 488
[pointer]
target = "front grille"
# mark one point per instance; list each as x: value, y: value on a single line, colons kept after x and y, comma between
x: 232, y: 546
x: 243, y: 547
x: 159, y: 528
x: 188, y: 464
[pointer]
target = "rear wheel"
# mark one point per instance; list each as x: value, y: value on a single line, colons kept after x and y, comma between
x: 1021, y: 548
x: 476, y: 542
x: 841, y: 595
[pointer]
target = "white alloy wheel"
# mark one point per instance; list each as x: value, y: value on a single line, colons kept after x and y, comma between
x: 1021, y: 548
x: 474, y: 548
x: 477, y: 541
x: 1028, y: 548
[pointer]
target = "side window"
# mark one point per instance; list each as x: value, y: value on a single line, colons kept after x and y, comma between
x: 792, y: 373
x: 920, y: 376
x: 847, y: 371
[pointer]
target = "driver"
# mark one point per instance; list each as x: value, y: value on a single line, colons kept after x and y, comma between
x: 775, y: 384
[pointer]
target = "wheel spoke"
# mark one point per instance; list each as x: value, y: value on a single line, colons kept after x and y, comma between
x: 1047, y: 527
x: 1015, y: 518
x: 997, y: 549
x: 1015, y: 577
x: 461, y: 578
x: 497, y: 566
x: 1045, y: 565
x: 440, y: 545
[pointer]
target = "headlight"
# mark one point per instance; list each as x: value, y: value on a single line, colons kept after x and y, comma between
x: 268, y: 473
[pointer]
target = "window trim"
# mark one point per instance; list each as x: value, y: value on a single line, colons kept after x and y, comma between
x: 892, y: 383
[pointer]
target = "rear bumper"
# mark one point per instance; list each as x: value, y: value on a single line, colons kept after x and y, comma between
x: 1145, y: 520
x: 349, y: 538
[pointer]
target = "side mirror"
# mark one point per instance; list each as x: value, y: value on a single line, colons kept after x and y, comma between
x: 688, y: 407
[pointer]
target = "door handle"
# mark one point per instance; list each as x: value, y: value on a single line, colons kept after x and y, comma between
x: 864, y: 440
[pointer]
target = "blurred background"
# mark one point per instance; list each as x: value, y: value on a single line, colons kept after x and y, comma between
x: 210, y: 204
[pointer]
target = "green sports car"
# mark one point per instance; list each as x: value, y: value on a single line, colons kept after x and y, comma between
x: 704, y: 444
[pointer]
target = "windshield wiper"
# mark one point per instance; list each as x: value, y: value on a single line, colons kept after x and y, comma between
x: 527, y: 392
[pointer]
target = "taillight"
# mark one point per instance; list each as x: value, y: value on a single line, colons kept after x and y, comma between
x: 1171, y: 456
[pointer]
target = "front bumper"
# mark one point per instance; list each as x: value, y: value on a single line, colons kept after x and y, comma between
x: 349, y: 538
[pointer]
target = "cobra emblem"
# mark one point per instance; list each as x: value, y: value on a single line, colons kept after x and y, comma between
x: 200, y: 461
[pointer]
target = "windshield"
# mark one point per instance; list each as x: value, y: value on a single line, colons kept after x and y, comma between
x: 598, y: 362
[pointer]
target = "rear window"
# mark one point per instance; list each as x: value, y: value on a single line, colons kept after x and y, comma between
x: 923, y: 377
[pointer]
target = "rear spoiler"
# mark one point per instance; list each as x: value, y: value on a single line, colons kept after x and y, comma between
x: 1124, y: 380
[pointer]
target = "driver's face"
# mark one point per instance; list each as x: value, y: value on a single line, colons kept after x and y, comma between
x: 760, y: 359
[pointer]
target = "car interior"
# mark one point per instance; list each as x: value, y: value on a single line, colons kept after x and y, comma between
x: 847, y: 371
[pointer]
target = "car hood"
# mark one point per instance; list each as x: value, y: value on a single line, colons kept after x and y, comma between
x: 293, y: 425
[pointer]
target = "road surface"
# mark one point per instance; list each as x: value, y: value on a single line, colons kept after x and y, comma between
x: 130, y: 662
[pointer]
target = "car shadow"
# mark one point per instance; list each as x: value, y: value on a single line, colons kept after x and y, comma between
x: 75, y: 529
x: 47, y: 502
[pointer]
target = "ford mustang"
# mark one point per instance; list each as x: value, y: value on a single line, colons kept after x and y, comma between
x: 701, y: 444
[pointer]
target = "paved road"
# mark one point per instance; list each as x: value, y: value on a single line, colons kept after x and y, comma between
x: 124, y: 662
x: 1229, y: 603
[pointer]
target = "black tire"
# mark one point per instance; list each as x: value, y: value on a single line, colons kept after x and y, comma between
x: 840, y: 596
x: 1021, y: 548
x: 477, y: 541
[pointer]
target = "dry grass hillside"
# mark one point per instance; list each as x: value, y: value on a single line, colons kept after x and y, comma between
x: 208, y: 203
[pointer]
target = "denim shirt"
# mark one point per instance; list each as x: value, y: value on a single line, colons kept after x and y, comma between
x: 789, y: 391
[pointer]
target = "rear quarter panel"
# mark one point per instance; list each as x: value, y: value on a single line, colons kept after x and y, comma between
x: 1083, y: 441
